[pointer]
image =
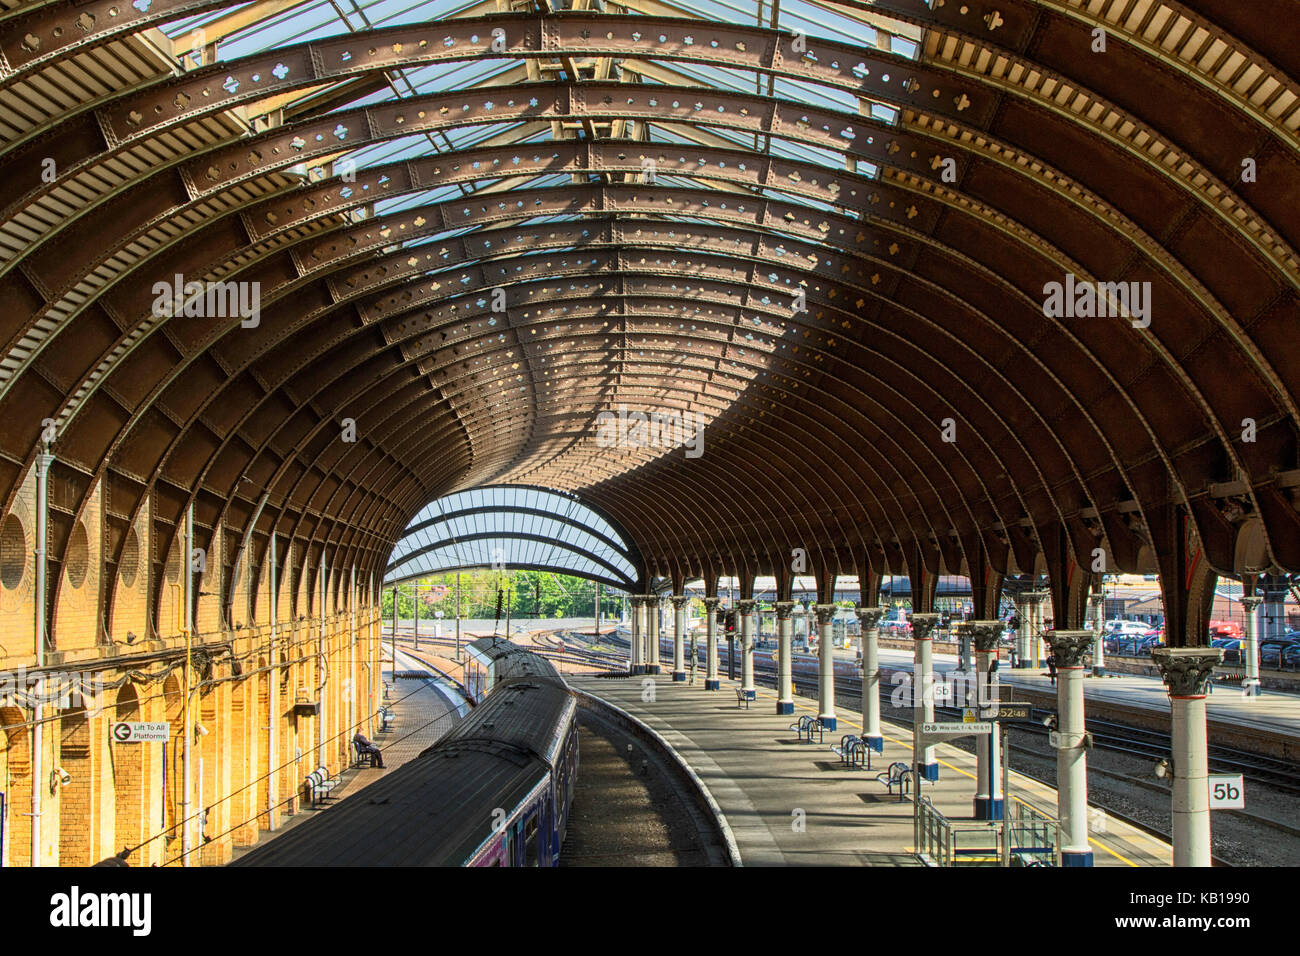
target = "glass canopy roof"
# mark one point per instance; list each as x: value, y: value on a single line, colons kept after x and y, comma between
x: 513, y: 526
x: 235, y: 36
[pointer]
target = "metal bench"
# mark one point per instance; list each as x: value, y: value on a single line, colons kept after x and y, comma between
x: 362, y: 757
x: 853, y: 752
x: 319, y: 785
x: 898, y: 773
x: 742, y: 698
x: 386, y: 719
x: 805, y: 726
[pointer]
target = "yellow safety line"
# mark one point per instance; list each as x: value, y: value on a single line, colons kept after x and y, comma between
x: 965, y: 773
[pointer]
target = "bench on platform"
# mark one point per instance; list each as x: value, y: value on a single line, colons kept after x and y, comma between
x: 742, y: 698
x: 898, y: 773
x: 319, y: 785
x: 386, y: 718
x: 362, y: 756
x: 853, y: 752
x: 805, y: 727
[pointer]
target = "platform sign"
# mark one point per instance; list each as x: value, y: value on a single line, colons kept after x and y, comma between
x: 1013, y: 712
x: 996, y: 712
x: 1227, y: 791
x: 955, y: 729
x: 137, y: 732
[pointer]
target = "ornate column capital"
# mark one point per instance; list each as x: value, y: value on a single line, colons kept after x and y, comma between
x: 1250, y: 603
x: 825, y: 612
x: 1034, y: 597
x: 746, y: 606
x: 1096, y: 600
x: 784, y: 610
x: 923, y: 625
x: 986, y: 634
x: 679, y: 600
x: 869, y: 617
x: 1070, y: 647
x: 1186, y: 669
x: 711, y: 603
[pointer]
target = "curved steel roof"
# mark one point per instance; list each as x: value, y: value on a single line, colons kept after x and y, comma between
x: 513, y: 526
x: 831, y: 248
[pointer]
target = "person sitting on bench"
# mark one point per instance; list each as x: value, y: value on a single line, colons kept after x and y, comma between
x: 369, y: 750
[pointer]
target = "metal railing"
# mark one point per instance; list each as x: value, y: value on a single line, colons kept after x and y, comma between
x: 1025, y: 838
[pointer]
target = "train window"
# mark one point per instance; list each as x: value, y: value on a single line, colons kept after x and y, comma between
x: 530, y: 842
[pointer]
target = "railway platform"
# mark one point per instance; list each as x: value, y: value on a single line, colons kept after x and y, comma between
x: 794, y: 803
x: 423, y: 712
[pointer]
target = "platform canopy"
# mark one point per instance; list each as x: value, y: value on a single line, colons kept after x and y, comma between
x: 904, y: 286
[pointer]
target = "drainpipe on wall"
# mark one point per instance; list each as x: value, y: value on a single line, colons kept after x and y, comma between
x: 273, y: 741
x: 187, y: 624
x: 43, y: 462
x: 324, y: 674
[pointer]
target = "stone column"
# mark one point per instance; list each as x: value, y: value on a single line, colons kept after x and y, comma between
x: 711, y: 681
x: 988, y: 756
x: 784, y: 634
x: 652, y: 633
x: 680, y: 601
x: 869, y: 619
x: 1250, y: 646
x: 1095, y: 604
x: 961, y: 632
x: 825, y: 664
x: 745, y: 610
x: 1071, y: 648
x: 635, y: 664
x: 1186, y: 671
x: 923, y: 626
x: 1028, y: 644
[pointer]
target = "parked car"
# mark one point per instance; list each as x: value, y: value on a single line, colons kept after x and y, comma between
x: 1270, y: 651
x: 1291, y: 657
x: 1121, y: 628
x: 1231, y: 649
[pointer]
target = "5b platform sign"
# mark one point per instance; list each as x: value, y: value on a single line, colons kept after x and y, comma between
x: 138, y: 732
x: 1227, y: 791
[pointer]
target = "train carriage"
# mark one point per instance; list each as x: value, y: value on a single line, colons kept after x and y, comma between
x: 495, y: 791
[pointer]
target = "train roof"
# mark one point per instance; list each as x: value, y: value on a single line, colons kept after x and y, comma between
x: 436, y: 809
x: 520, y: 714
x: 509, y: 660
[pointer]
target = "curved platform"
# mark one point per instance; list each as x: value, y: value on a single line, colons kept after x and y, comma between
x: 793, y: 804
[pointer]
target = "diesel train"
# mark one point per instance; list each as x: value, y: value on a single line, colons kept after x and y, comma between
x: 494, y: 791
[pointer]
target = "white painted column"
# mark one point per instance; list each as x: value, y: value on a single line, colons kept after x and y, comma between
x: 869, y: 619
x: 745, y: 610
x: 825, y: 665
x: 923, y: 626
x: 784, y: 635
x: 1186, y: 671
x: 1071, y: 649
x: 988, y: 756
x: 1095, y: 605
x: 679, y: 636
x: 652, y: 633
x: 1029, y: 607
x: 634, y: 641
x: 711, y: 681
x: 1250, y: 646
